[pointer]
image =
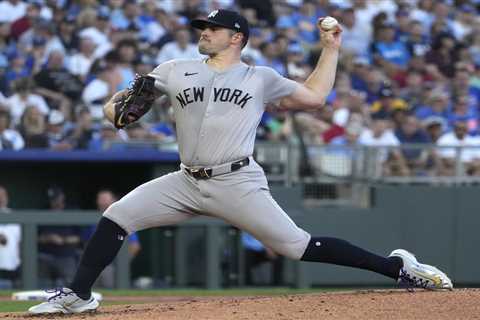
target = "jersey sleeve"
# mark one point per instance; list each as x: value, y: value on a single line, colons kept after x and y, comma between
x: 161, y: 74
x: 275, y: 86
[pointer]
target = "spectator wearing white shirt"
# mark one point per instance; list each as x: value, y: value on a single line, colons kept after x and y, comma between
x: 11, y: 10
x: 354, y: 38
x: 96, y: 93
x: 23, y: 97
x: 79, y: 63
x: 181, y: 48
x: 380, y: 135
x: 42, y: 34
x: 96, y: 27
x: 469, y: 157
x: 9, y: 139
x: 10, y: 238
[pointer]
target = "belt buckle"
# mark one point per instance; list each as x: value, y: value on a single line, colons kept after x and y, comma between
x: 202, y: 172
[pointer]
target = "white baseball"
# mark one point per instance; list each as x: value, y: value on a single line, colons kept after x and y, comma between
x: 328, y: 23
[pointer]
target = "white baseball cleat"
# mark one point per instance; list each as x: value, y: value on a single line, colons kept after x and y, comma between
x: 415, y: 274
x: 65, y: 301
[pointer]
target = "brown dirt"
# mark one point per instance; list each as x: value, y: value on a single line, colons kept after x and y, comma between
x: 367, y: 304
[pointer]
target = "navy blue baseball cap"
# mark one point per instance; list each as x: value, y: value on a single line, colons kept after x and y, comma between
x: 226, y: 19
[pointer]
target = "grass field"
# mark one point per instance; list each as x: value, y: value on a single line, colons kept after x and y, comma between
x: 21, y: 306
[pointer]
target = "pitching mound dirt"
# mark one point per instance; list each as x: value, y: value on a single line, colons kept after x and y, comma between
x: 368, y: 304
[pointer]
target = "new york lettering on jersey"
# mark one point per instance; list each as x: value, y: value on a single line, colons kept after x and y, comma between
x: 230, y: 95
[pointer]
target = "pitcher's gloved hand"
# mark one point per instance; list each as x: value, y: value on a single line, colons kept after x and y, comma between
x: 136, y: 102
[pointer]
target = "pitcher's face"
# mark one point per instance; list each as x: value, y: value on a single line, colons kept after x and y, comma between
x: 214, y: 39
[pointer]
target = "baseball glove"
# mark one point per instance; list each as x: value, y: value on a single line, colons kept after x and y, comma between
x: 136, y: 102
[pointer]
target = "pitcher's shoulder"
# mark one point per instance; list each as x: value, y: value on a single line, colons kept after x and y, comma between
x: 180, y: 63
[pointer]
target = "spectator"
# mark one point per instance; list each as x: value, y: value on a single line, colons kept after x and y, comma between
x: 43, y: 33
x: 24, y: 23
x: 295, y: 62
x: 441, y: 54
x: 252, y: 49
x: 102, y: 140
x: 276, y: 127
x: 463, y: 24
x: 270, y: 57
x: 56, y: 132
x: 24, y: 96
x: 83, y: 129
x: 392, y: 55
x: 57, y: 250
x: 390, y: 160
x: 437, y: 105
x: 413, y: 93
x: 434, y: 127
x: 57, y: 85
x: 100, y: 89
x: 10, y: 139
x: 305, y: 20
x: 33, y: 128
x: 464, y: 110
x: 104, y: 199
x: 355, y: 40
x: 461, y: 84
x: 387, y: 104
x: 11, y: 10
x: 18, y: 68
x: 79, y: 63
x: 139, y: 137
x: 67, y: 32
x: 410, y: 132
x: 10, y: 239
x: 127, y: 53
x: 359, y: 74
x: 97, y: 28
x: 257, y: 254
x: 459, y: 137
x: 417, y: 41
x: 181, y: 48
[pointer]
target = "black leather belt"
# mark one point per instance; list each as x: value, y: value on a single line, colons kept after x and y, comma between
x: 207, y: 173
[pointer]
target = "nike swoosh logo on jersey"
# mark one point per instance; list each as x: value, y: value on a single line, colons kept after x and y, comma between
x: 190, y: 74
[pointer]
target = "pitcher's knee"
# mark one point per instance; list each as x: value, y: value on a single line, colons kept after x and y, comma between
x: 293, y: 249
x: 118, y: 213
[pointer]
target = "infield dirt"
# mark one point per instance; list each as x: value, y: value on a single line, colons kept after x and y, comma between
x: 364, y: 304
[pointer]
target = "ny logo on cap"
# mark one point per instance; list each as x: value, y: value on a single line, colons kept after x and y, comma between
x: 237, y: 25
x: 213, y: 14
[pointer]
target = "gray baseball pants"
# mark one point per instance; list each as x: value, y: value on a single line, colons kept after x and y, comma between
x: 240, y: 198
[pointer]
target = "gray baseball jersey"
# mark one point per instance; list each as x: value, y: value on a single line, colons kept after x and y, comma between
x: 217, y: 114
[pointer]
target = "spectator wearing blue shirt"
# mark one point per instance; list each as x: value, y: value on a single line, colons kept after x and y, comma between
x: 359, y: 74
x: 464, y: 111
x: 270, y: 58
x: 437, y: 105
x: 105, y: 198
x: 305, y: 19
x: 462, y: 82
x: 18, y: 67
x: 388, y: 52
x: 417, y: 42
x: 410, y: 132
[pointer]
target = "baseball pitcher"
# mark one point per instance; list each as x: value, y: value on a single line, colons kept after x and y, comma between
x: 218, y: 103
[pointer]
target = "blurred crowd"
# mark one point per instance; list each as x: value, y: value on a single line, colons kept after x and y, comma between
x: 409, y: 72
